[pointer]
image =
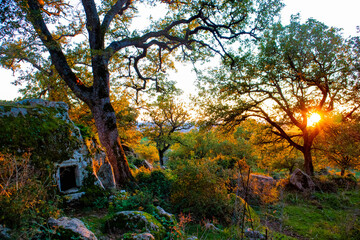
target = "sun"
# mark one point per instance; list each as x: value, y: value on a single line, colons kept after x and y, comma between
x: 313, y: 119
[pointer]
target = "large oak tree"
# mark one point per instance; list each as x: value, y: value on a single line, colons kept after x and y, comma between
x: 297, y: 70
x: 82, y: 42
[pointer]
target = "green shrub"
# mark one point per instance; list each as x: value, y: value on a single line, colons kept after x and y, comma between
x: 125, y: 201
x: 198, y: 189
x: 157, y: 183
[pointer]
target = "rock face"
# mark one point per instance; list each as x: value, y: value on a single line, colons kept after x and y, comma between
x: 135, y: 221
x: 44, y: 128
x: 105, y: 175
x: 302, y: 181
x: 74, y: 225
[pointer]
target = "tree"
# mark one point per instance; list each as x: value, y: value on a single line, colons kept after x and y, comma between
x: 298, y: 70
x: 166, y: 118
x: 340, y: 143
x: 53, y: 37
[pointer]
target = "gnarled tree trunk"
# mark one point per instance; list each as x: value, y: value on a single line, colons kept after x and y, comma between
x: 105, y: 121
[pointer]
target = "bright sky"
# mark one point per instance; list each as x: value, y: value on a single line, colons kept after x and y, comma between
x: 342, y: 14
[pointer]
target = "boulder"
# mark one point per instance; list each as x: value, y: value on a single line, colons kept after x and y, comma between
x: 135, y: 221
x: 4, y: 233
x: 253, y: 235
x: 163, y: 214
x: 212, y: 227
x: 302, y: 181
x: 74, y: 225
x: 143, y: 163
x: 192, y: 238
x: 261, y: 182
x: 46, y: 129
x: 147, y: 165
x: 105, y: 176
x: 129, y: 151
x: 141, y: 236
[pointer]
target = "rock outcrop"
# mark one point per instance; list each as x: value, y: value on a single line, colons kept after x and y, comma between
x: 133, y: 222
x: 45, y: 129
x: 302, y: 181
x: 74, y: 225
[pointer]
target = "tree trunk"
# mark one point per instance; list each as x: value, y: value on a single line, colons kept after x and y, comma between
x: 105, y: 121
x: 161, y: 158
x: 308, y: 165
x: 342, y: 172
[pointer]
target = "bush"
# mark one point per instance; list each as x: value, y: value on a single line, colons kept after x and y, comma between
x: 158, y: 183
x: 199, y: 190
x: 125, y: 201
x: 331, y: 183
x: 25, y: 200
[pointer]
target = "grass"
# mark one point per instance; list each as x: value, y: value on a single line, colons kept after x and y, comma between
x: 321, y: 215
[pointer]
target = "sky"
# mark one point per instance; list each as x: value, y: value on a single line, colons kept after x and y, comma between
x: 341, y: 14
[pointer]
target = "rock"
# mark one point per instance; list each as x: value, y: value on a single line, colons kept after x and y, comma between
x: 192, y: 238
x: 147, y: 165
x: 142, y: 236
x: 129, y: 151
x: 46, y: 128
x: 134, y: 221
x: 302, y: 181
x: 168, y: 216
x: 74, y: 225
x: 210, y: 226
x: 143, y: 163
x: 105, y: 176
x: 74, y: 196
x: 4, y: 233
x: 261, y: 182
x: 253, y: 235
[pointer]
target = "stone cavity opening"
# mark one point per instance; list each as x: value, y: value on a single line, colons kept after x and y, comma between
x: 68, y: 177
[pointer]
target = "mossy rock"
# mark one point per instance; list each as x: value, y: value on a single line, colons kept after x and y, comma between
x: 135, y: 221
x: 250, y: 214
x: 40, y: 127
x: 164, y: 217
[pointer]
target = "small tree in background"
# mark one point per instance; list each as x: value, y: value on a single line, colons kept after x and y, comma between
x: 166, y: 117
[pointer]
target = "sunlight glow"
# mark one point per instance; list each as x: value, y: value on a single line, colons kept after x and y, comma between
x: 313, y: 119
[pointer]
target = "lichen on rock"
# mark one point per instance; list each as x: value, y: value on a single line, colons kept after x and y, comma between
x: 135, y: 221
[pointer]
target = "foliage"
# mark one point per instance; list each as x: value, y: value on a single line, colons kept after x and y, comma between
x: 166, y: 117
x: 159, y: 184
x: 298, y: 69
x: 197, y: 144
x: 199, y: 190
x: 340, y: 144
x: 26, y: 202
x: 94, y: 45
x: 126, y: 115
x: 147, y: 150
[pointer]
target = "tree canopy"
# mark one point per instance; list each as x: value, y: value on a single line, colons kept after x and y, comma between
x: 297, y: 70
x: 91, y: 44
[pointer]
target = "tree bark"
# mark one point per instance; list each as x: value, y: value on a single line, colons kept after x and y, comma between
x: 161, y: 158
x: 308, y: 165
x: 105, y: 121
x: 342, y: 172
